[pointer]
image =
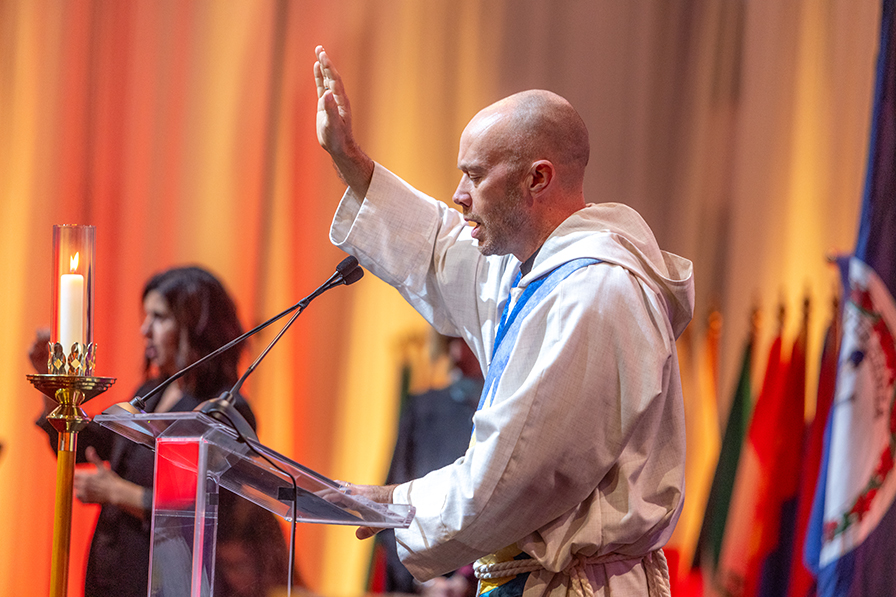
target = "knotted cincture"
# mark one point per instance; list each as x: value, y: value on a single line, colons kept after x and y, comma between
x: 655, y: 567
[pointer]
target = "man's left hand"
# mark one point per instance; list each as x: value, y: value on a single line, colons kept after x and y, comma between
x: 381, y: 494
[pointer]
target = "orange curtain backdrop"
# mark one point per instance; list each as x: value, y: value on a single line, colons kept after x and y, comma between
x: 185, y: 132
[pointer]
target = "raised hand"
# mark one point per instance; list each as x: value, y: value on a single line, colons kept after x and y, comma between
x: 334, y: 126
x: 334, y: 113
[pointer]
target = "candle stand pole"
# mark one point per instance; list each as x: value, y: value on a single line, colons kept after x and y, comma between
x: 69, y: 392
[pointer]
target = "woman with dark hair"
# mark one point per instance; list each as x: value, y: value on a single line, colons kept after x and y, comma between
x: 188, y: 314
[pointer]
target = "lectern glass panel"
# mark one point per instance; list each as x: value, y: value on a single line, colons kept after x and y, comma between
x: 195, y: 455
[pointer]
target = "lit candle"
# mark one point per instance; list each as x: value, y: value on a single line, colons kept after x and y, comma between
x: 71, y: 307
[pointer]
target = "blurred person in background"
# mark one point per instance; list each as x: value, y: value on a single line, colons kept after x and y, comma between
x: 187, y: 315
x: 433, y: 431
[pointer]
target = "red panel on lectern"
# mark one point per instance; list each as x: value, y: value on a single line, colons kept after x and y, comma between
x: 176, y: 466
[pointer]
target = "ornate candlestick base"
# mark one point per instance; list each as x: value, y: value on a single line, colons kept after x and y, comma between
x: 68, y: 418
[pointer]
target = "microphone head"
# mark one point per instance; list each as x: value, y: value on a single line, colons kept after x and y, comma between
x: 353, y: 276
x: 346, y: 265
x: 124, y: 408
x: 223, y: 410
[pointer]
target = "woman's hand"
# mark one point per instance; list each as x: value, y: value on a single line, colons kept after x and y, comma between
x: 102, y: 485
x: 38, y: 353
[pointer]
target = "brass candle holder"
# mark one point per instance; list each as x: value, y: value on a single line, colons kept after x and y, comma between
x: 70, y: 381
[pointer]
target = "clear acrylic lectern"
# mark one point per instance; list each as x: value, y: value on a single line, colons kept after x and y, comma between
x: 195, y: 455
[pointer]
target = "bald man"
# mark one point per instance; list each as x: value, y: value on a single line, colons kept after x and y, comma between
x: 574, y: 478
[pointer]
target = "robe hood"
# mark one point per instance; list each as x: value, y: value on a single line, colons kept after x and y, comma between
x: 617, y: 234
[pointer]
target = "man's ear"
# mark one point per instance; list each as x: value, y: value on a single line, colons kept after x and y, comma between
x: 541, y: 175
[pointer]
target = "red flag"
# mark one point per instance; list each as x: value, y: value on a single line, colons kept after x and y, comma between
x: 783, y: 454
x: 760, y: 523
x: 738, y: 566
x: 802, y: 581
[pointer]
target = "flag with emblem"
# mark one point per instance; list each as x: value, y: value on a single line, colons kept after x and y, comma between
x: 852, y: 534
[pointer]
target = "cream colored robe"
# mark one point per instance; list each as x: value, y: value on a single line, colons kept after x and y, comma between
x: 583, y: 451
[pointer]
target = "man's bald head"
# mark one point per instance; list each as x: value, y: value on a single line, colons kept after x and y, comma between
x: 538, y: 124
x: 523, y: 161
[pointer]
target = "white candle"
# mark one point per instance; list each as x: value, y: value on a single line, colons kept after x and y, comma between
x: 71, y: 310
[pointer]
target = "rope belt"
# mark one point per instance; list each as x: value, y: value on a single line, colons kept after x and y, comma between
x: 658, y: 583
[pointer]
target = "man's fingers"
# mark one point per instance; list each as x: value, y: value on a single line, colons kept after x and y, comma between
x: 330, y: 78
x: 325, y: 65
x: 331, y: 105
x: 366, y: 532
x: 319, y: 79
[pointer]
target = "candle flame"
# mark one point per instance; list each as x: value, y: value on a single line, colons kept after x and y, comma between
x: 73, y: 262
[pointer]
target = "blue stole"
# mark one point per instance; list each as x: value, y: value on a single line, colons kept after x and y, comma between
x: 511, y: 321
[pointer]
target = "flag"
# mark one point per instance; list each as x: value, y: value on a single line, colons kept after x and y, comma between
x: 699, y: 379
x: 758, y: 533
x: 802, y: 580
x: 783, y: 456
x: 852, y: 531
x: 713, y: 530
x: 733, y: 566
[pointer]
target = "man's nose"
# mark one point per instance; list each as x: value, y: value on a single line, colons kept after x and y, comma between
x: 462, y: 194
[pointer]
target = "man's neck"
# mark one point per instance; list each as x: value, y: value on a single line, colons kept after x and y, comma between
x: 526, y: 266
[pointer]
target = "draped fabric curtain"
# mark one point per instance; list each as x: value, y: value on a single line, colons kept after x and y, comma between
x: 185, y: 132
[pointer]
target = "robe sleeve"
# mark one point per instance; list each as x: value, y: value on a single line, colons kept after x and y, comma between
x: 423, y: 249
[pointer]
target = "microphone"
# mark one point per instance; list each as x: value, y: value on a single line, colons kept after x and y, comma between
x: 222, y: 408
x: 347, y: 272
x: 353, y: 275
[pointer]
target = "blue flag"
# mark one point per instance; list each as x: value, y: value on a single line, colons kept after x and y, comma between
x: 852, y: 533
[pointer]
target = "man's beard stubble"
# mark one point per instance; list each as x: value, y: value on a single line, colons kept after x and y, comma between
x: 506, y: 221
